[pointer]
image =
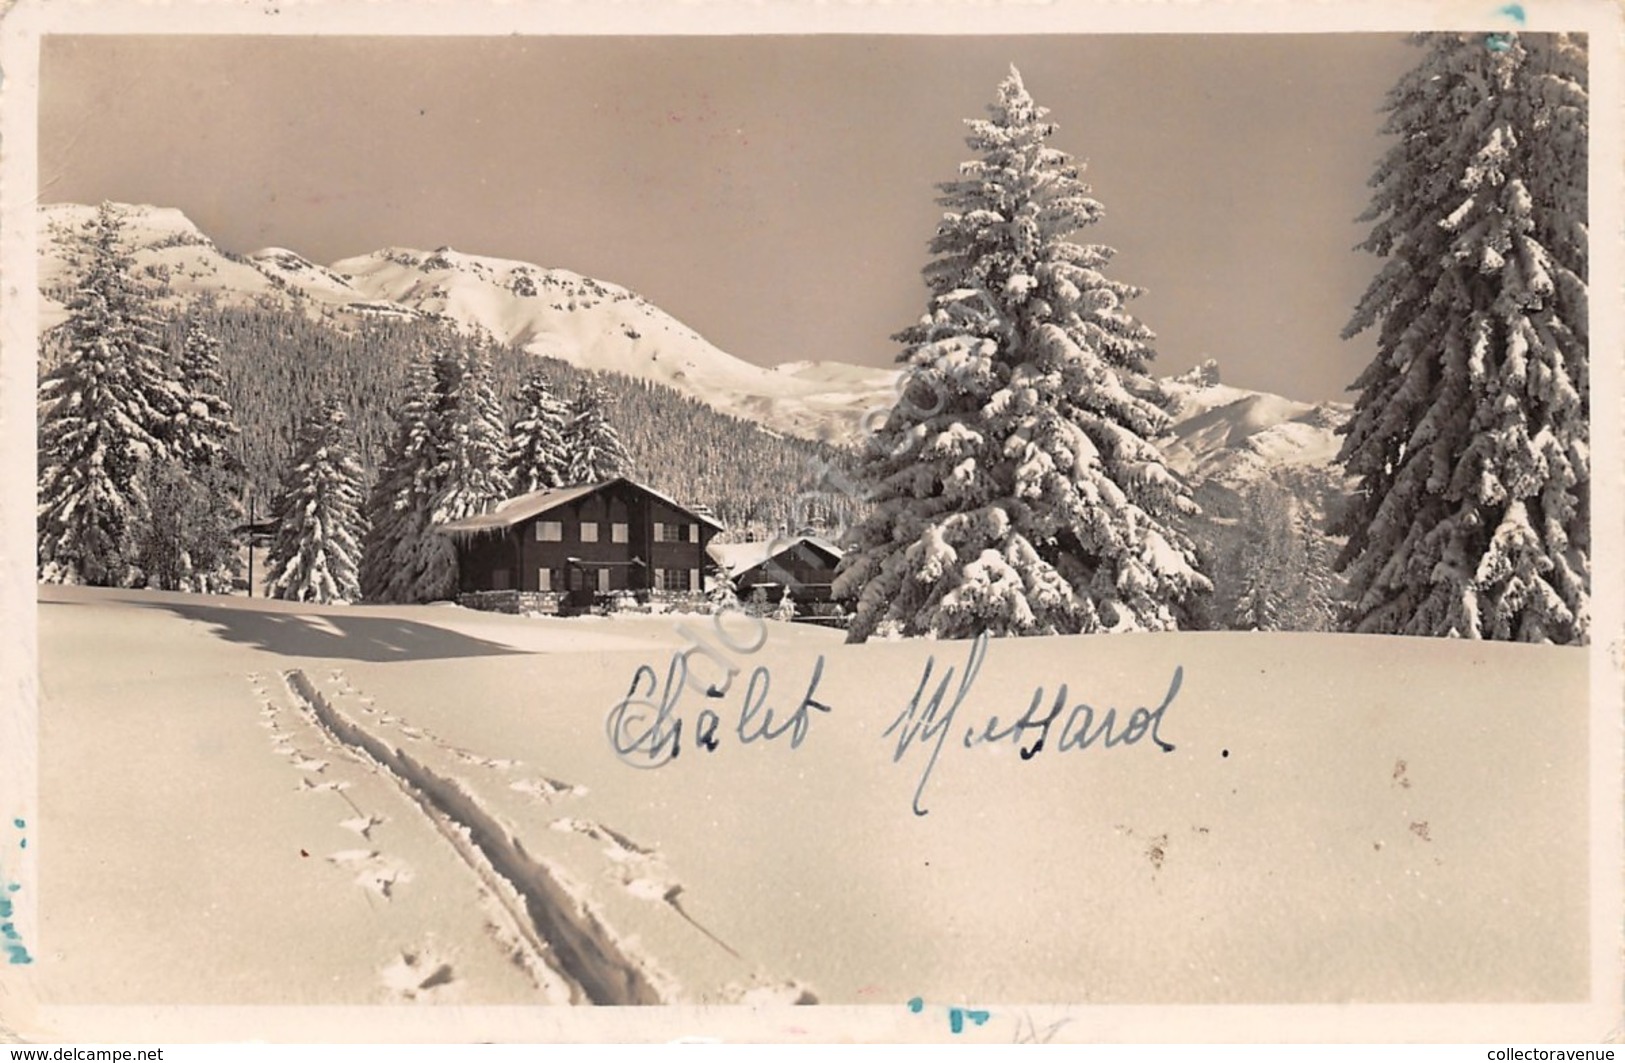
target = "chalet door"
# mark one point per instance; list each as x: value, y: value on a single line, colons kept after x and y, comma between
x: 581, y: 587
x: 500, y: 580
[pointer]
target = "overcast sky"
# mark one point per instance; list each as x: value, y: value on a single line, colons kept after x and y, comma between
x: 775, y: 193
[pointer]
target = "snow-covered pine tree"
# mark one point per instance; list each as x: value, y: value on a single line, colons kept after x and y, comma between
x: 446, y: 461
x: 536, y: 439
x: 398, y: 508
x: 316, y: 554
x: 474, y: 473
x: 105, y: 412
x: 1279, y: 573
x: 203, y: 429
x: 1470, y: 435
x: 592, y: 448
x: 195, y: 515
x: 1014, y: 487
x: 720, y: 595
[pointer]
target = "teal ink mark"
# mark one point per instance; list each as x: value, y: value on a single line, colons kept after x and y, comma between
x: 1514, y: 12
x: 957, y: 1017
x: 13, y: 887
x: 23, y: 844
x: 1497, y: 42
x: 16, y: 952
x: 20, y: 823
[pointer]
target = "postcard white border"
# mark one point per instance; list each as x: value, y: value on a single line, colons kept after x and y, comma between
x: 20, y: 32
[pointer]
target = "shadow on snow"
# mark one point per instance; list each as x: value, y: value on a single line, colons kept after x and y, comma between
x: 336, y: 635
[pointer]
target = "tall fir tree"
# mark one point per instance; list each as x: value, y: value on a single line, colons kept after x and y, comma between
x: 592, y: 448
x: 474, y: 469
x: 316, y: 553
x: 1279, y: 571
x: 191, y: 542
x: 1470, y: 434
x: 1015, y: 489
x: 536, y: 438
x: 446, y: 461
x: 106, y: 411
x: 204, y: 428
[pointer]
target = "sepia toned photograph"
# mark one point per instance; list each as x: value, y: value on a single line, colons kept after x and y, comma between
x: 876, y: 532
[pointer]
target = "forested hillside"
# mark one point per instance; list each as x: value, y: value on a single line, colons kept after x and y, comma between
x: 280, y: 366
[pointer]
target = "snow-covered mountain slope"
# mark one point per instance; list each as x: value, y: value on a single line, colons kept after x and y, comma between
x: 1222, y: 434
x: 1234, y: 436
x: 589, y: 323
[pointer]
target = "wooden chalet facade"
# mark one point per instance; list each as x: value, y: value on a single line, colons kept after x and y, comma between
x: 566, y: 547
x: 804, y: 564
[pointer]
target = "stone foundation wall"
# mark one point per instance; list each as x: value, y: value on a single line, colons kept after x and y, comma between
x: 512, y: 601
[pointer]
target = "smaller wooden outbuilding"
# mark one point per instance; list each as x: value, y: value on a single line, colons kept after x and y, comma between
x: 802, y: 564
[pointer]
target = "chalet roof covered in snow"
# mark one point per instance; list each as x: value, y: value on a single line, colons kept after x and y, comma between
x: 742, y: 557
x: 524, y: 507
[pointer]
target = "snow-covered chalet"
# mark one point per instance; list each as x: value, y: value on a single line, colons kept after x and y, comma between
x: 564, y: 548
x: 804, y: 565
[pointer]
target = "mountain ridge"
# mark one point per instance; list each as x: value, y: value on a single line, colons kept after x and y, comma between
x: 1221, y: 433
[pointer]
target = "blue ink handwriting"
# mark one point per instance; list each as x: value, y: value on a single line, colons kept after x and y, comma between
x: 927, y: 719
x: 646, y: 727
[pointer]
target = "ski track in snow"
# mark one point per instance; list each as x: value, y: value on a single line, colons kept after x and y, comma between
x: 418, y: 975
x: 553, y: 932
x: 562, y: 931
x: 378, y: 874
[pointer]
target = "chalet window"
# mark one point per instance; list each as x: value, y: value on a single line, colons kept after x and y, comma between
x: 603, y: 581
x: 589, y: 531
x: 675, y: 533
x: 617, y: 532
x: 550, y: 531
x: 674, y: 579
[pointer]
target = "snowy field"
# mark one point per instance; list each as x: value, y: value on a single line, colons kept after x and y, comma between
x: 265, y: 803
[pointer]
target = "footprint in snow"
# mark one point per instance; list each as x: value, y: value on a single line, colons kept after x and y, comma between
x: 362, y: 825
x: 304, y: 763
x: 374, y: 872
x: 417, y: 977
x: 305, y: 785
x: 545, y: 789
x: 468, y: 757
x: 618, y: 847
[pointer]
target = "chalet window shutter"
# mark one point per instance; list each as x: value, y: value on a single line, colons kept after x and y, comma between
x: 693, y: 579
x: 660, y: 578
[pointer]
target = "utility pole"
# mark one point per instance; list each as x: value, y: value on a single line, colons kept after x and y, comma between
x: 251, y: 542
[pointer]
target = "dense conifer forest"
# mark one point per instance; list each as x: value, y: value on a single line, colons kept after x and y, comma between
x: 281, y: 367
